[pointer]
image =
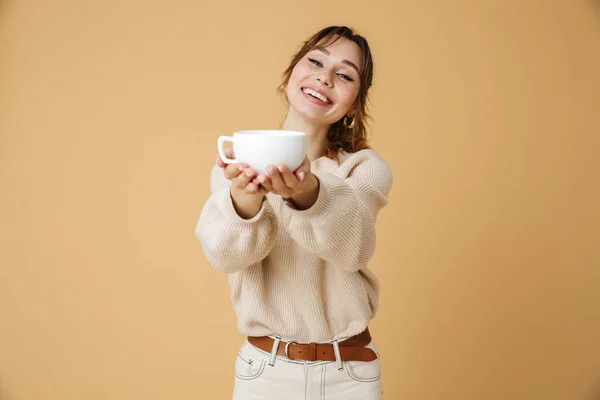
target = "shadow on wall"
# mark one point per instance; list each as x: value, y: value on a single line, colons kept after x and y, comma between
x: 595, y: 394
x: 595, y: 5
x: 3, y: 395
x: 3, y: 8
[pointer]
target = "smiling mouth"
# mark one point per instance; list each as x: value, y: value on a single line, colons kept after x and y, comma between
x: 316, y: 95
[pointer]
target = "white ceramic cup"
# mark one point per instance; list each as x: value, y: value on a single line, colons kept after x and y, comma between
x: 260, y: 148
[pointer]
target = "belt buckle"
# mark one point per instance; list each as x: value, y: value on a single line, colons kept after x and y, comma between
x: 286, y: 350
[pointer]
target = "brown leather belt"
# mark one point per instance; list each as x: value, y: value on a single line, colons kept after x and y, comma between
x: 351, y: 349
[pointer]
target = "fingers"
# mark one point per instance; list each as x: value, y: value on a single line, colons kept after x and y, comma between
x: 253, y: 188
x: 281, y: 180
x: 303, y: 170
x: 242, y: 177
x: 244, y: 181
x: 232, y: 171
x: 229, y: 154
x: 277, y: 183
x: 264, y: 182
x: 220, y: 162
x: 289, y: 179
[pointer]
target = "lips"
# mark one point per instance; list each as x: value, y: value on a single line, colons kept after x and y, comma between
x: 317, y: 95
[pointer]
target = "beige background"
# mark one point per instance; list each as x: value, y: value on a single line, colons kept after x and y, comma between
x: 488, y: 112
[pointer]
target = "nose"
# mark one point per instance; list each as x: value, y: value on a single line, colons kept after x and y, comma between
x: 325, y: 78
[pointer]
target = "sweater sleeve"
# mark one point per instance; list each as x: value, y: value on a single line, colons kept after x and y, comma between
x: 231, y: 243
x: 340, y: 226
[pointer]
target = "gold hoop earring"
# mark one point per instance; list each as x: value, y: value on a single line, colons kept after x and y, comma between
x: 351, y: 124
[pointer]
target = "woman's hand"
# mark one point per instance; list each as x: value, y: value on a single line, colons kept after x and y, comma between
x: 300, y: 186
x: 247, y: 197
x: 240, y: 175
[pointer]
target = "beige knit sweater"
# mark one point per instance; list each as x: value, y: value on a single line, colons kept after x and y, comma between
x: 302, y: 275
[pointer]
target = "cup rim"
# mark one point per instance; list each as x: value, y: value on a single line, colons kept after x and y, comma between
x: 270, y: 132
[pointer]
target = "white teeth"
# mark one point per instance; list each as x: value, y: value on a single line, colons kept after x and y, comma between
x: 317, y: 95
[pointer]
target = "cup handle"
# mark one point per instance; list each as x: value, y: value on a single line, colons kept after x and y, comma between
x: 220, y: 142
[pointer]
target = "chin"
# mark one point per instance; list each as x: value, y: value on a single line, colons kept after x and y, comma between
x: 308, y: 113
x: 315, y: 119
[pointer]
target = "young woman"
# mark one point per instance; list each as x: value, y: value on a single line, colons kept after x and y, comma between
x: 296, y: 243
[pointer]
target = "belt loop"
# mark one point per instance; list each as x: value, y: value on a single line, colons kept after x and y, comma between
x: 338, y: 356
x: 276, y: 342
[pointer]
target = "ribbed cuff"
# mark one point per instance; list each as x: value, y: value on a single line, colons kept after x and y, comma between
x: 328, y: 185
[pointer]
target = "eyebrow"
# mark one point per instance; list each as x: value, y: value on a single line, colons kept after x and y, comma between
x: 349, y: 63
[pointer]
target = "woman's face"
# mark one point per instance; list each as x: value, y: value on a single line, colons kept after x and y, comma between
x: 324, y: 85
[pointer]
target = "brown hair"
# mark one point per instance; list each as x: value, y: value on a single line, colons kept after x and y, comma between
x: 339, y: 137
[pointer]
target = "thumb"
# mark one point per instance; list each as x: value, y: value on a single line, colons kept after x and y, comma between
x: 303, y: 170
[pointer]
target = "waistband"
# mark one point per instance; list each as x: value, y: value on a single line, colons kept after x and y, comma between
x: 350, y: 349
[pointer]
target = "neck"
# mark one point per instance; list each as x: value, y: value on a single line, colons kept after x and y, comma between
x: 316, y: 135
